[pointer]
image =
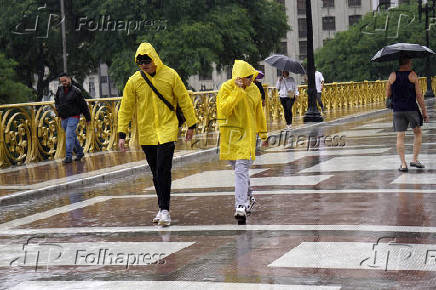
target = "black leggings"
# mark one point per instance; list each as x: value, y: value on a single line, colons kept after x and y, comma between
x: 287, y: 104
x: 160, y: 160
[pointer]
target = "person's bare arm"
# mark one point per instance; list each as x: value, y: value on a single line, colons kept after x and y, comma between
x: 419, y: 97
x: 389, y: 83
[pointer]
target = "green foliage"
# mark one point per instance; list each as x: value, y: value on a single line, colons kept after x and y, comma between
x: 11, y: 91
x: 347, y: 56
x: 189, y: 35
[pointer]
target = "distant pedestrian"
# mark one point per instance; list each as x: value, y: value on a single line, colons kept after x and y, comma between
x: 403, y: 87
x: 156, y: 119
x: 241, y: 118
x: 69, y: 104
x: 288, y: 92
x: 319, y: 83
x: 258, y: 83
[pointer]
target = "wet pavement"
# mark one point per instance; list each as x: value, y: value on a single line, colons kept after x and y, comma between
x: 332, y: 212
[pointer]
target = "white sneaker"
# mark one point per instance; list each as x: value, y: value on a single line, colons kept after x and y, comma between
x: 165, y: 219
x: 158, y: 217
x: 240, y: 212
x: 250, y: 205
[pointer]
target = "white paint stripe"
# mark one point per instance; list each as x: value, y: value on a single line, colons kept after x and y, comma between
x: 356, y: 255
x: 67, y: 208
x: 52, y: 212
x: 214, y: 228
x: 160, y: 285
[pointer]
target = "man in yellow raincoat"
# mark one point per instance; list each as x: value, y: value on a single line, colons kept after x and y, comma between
x: 241, y: 118
x: 157, y: 124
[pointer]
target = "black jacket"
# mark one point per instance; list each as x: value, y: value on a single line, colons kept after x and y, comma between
x: 71, y: 104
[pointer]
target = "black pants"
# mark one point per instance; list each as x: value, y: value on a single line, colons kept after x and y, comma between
x: 160, y: 160
x: 287, y: 104
x: 318, y: 99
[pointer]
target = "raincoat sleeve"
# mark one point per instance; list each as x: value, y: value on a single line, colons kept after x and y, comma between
x: 261, y: 127
x: 228, y: 98
x: 126, y: 109
x: 184, y: 101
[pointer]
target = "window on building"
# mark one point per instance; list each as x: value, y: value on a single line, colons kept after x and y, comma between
x: 91, y: 87
x: 302, y: 27
x: 303, y: 49
x: 103, y: 79
x: 354, y: 3
x: 328, y: 23
x: 384, y: 4
x: 301, y: 7
x: 283, y: 48
x: 328, y: 3
x: 353, y: 19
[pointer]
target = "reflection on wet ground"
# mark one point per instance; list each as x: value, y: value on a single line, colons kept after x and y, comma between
x: 334, y: 216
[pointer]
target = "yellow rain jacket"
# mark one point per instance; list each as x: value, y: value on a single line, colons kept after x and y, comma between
x: 156, y: 123
x: 240, y: 115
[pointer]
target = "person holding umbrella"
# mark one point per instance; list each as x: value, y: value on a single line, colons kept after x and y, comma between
x: 404, y: 90
x: 288, y: 92
x: 403, y: 87
x: 286, y: 85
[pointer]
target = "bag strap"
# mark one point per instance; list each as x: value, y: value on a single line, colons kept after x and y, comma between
x: 159, y: 95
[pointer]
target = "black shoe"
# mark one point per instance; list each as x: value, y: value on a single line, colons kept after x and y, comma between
x: 417, y: 164
x: 67, y: 160
x: 403, y: 169
x: 79, y: 157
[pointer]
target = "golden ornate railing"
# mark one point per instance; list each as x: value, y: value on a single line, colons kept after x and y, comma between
x: 31, y: 132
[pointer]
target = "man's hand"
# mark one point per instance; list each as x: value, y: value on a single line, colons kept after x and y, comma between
x: 189, y: 134
x: 121, y: 144
x: 425, y: 116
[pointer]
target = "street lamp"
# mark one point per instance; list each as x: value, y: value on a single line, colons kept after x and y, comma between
x: 429, y: 93
x: 312, y: 114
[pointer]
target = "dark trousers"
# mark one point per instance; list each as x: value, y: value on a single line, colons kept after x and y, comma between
x: 287, y: 104
x: 318, y: 99
x: 160, y: 160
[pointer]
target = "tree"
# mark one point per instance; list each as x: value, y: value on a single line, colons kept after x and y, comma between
x: 11, y: 91
x: 347, y: 56
x: 189, y: 35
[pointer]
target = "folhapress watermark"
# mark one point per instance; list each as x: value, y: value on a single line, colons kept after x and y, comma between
x: 43, y: 21
x: 104, y: 23
x: 40, y: 254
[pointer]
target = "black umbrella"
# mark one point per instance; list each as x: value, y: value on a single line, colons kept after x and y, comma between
x: 394, y: 51
x: 284, y: 63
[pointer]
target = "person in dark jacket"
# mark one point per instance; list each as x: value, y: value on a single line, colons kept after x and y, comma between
x: 403, y: 87
x: 258, y: 83
x: 70, y: 103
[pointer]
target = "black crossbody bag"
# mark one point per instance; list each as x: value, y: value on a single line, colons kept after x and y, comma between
x: 179, y: 114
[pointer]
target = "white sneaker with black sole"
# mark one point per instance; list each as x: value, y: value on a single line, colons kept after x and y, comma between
x: 165, y: 219
x: 240, y: 215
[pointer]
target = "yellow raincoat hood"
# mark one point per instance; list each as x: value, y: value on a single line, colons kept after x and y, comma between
x: 240, y: 115
x: 242, y: 69
x: 155, y: 122
x: 148, y: 49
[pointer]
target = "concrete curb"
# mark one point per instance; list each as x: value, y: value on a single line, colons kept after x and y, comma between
x: 120, y: 173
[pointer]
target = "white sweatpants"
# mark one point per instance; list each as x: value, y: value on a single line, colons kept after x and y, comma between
x: 243, y: 191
